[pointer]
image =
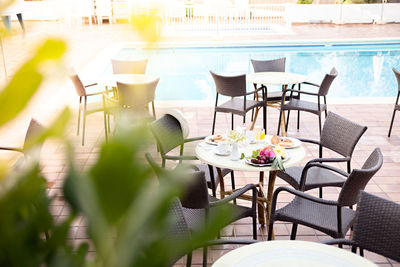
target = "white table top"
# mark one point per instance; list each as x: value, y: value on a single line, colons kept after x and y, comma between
x: 111, y: 79
x: 291, y: 253
x: 206, y: 154
x: 275, y: 78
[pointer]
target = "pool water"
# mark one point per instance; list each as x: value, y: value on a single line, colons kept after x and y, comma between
x: 365, y: 70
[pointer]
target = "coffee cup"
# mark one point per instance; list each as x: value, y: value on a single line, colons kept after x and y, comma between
x: 223, y: 147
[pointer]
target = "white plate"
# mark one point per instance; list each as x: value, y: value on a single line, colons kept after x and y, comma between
x: 248, y: 161
x: 219, y: 153
x: 296, y: 142
x: 208, y: 139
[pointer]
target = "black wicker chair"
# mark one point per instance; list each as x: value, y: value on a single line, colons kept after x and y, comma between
x: 197, y: 205
x: 168, y: 134
x: 339, y: 135
x: 376, y: 228
x: 235, y: 87
x: 301, y: 105
x: 330, y: 217
x: 396, y: 105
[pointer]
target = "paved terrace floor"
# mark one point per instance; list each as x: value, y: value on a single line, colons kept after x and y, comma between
x: 86, y: 42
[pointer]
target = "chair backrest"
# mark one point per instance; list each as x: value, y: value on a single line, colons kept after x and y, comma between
x: 326, y: 82
x: 397, y: 74
x: 33, y: 129
x: 377, y: 226
x: 168, y: 133
x: 79, y: 87
x: 340, y: 134
x: 129, y: 66
x: 195, y: 193
x: 137, y: 95
x: 230, y: 85
x: 359, y: 178
x: 275, y: 65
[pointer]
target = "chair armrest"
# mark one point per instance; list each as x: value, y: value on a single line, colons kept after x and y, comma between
x: 92, y: 84
x: 180, y: 157
x: 313, y: 84
x: 235, y: 195
x: 15, y: 149
x: 319, y: 160
x: 309, y: 141
x: 305, y: 196
x: 300, y: 92
x: 328, y: 167
x: 97, y: 93
x: 216, y: 242
x: 255, y: 91
x: 339, y: 241
x: 194, y: 139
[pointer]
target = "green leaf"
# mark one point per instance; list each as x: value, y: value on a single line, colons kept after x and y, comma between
x: 16, y: 95
x: 242, y: 156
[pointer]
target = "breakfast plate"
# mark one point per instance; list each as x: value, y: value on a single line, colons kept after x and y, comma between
x: 248, y: 161
x: 222, y: 153
x: 286, y: 142
x: 215, y: 139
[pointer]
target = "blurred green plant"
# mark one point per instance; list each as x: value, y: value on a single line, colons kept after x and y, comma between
x: 126, y: 209
x: 304, y: 1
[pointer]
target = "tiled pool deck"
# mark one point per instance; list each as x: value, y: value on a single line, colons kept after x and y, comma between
x: 86, y: 42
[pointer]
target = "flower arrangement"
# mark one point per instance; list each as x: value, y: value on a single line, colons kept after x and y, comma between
x: 235, y: 137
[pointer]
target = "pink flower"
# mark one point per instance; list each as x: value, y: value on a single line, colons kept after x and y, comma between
x: 270, y: 154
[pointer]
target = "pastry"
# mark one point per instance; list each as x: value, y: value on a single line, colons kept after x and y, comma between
x: 275, y: 140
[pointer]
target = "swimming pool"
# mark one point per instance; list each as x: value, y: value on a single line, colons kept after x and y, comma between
x: 365, y: 69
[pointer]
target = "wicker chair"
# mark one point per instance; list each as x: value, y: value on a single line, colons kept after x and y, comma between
x: 275, y: 65
x: 129, y: 66
x: 330, y: 217
x: 396, y: 105
x: 339, y: 135
x: 301, y: 105
x: 376, y: 228
x: 197, y: 205
x: 85, y: 107
x: 235, y: 87
x: 33, y: 129
x: 168, y: 134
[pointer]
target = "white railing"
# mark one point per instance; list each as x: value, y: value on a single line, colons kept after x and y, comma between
x: 196, y: 18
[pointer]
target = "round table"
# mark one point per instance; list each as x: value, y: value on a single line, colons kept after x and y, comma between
x: 112, y: 79
x: 274, y: 78
x: 206, y: 154
x: 291, y: 253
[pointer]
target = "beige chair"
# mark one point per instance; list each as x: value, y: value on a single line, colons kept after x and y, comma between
x: 137, y: 96
x: 85, y: 107
x: 129, y: 66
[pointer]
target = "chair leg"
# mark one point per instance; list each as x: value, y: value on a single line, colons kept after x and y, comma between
x: 320, y: 124
x: 83, y: 128
x: 109, y: 123
x: 189, y: 259
x: 205, y: 250
x: 233, y: 184
x: 361, y: 252
x: 232, y: 126
x: 79, y: 121
x: 298, y: 120
x: 391, y: 123
x: 270, y: 229
x: 153, y: 108
x: 294, y: 232
x: 320, y: 192
x: 265, y: 118
x: 105, y: 126
x: 244, y: 118
x: 287, y: 121
x: 279, y: 122
x: 255, y: 227
x: 252, y: 115
x: 213, y: 127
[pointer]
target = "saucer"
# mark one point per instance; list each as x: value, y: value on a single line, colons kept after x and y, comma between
x: 222, y: 153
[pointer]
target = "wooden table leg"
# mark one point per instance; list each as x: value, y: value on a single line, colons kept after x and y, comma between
x: 221, y: 182
x: 271, y: 184
x: 260, y: 206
